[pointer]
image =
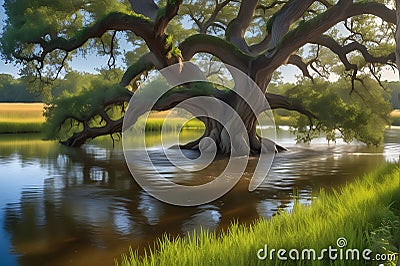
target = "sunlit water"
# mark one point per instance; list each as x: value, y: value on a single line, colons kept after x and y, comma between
x: 64, y: 206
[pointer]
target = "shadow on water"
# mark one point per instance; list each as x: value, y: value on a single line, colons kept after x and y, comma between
x: 62, y: 206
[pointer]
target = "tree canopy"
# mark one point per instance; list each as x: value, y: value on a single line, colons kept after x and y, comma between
x: 353, y: 40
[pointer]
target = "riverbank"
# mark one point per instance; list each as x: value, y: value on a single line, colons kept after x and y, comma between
x: 28, y: 118
x: 365, y: 212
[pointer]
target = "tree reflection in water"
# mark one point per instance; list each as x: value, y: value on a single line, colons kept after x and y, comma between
x: 81, y: 206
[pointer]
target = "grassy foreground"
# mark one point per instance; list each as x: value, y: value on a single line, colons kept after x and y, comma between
x: 365, y: 212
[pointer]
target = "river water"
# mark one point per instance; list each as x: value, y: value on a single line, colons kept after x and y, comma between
x: 65, y: 206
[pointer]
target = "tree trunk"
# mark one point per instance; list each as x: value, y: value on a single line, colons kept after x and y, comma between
x: 237, y: 136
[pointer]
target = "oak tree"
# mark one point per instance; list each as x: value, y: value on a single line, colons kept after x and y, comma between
x: 255, y: 36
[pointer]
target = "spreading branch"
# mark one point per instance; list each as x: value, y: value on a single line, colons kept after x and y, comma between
x: 282, y: 20
x: 298, y: 61
x: 222, y: 49
x: 279, y: 101
x: 311, y: 29
x: 114, y: 21
x: 145, y: 7
x: 237, y: 27
x: 143, y: 64
x: 165, y: 15
x: 343, y: 51
x: 211, y: 21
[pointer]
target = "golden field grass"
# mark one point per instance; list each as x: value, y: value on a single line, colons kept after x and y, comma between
x: 21, y: 112
x: 28, y: 118
x: 395, y: 117
x: 21, y: 117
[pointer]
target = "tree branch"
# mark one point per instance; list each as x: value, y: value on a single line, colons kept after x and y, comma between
x: 282, y: 20
x: 297, y: 61
x: 225, y: 51
x: 261, y: 46
x: 143, y: 64
x: 211, y: 20
x: 342, y: 51
x: 311, y: 29
x: 78, y: 139
x: 279, y: 101
x: 237, y: 27
x: 113, y: 21
x: 325, y: 3
x: 165, y: 15
x: 145, y: 7
x: 264, y: 8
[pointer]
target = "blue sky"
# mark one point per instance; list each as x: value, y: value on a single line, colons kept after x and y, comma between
x: 92, y: 61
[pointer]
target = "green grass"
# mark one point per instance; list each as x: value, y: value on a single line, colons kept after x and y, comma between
x: 365, y: 212
x: 171, y: 124
x: 28, y: 118
x: 20, y: 127
x: 282, y: 120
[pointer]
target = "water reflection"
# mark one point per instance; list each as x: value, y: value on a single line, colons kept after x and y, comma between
x: 64, y: 206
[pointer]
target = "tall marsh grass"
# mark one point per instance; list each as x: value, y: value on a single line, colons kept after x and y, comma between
x: 21, y: 117
x: 157, y: 124
x: 365, y: 212
x: 28, y: 118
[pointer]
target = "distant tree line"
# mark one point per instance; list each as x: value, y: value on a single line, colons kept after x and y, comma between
x: 29, y: 90
x: 14, y: 89
x: 17, y: 90
x: 394, y: 89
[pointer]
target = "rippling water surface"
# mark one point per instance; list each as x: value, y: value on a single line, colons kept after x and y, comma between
x: 63, y: 206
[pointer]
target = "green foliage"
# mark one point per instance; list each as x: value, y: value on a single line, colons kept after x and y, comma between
x: 371, y: 32
x: 27, y: 22
x: 365, y: 212
x: 362, y: 115
x: 394, y: 89
x: 81, y: 98
x: 16, y: 90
